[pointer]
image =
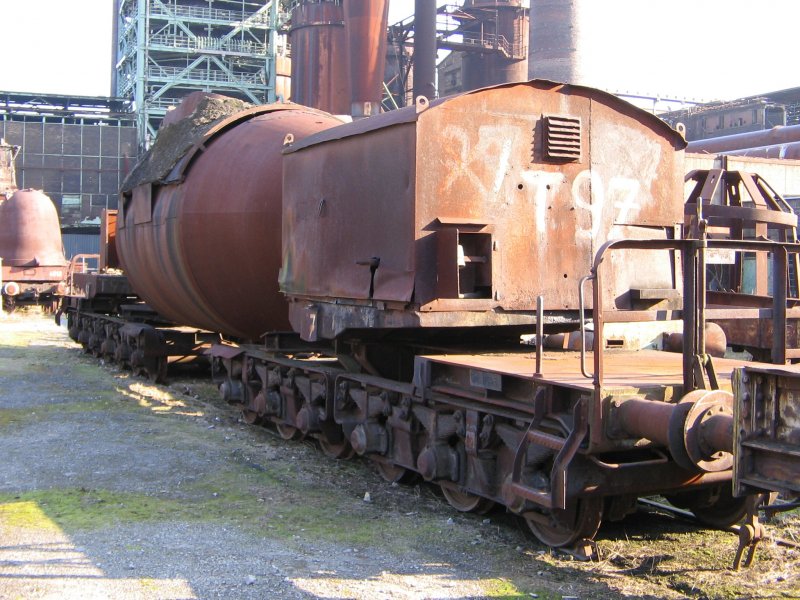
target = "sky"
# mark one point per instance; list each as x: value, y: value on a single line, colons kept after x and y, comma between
x: 693, y: 49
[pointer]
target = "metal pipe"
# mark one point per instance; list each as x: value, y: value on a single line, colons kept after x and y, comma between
x: 581, y: 305
x: 539, y: 334
x: 424, y: 49
x: 647, y: 419
x: 717, y: 434
x: 779, y: 293
x: 751, y: 139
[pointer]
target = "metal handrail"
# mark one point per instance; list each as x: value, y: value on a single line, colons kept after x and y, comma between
x: 690, y: 250
x: 184, y: 42
x: 72, y: 268
x: 205, y: 14
x: 185, y: 74
x: 581, y: 309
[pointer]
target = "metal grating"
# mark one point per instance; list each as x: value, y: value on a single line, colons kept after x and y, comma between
x: 562, y: 138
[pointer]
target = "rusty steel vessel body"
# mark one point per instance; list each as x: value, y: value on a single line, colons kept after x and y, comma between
x: 31, y: 252
x: 391, y: 264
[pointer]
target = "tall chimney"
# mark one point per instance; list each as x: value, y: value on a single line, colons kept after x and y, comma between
x: 319, y: 56
x: 555, y: 43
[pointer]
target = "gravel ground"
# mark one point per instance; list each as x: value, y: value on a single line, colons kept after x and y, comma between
x: 111, y: 487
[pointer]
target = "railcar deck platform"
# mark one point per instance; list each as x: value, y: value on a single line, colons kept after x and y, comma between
x: 622, y: 369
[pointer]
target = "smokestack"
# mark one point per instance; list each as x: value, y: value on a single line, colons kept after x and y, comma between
x: 319, y: 56
x: 424, y: 48
x: 365, y: 24
x: 553, y: 49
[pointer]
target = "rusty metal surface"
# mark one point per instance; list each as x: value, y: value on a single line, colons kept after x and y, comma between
x: 365, y: 24
x: 319, y: 56
x: 109, y: 259
x: 756, y: 333
x: 335, y: 219
x: 410, y: 187
x: 752, y: 139
x: 92, y: 285
x: 737, y: 205
x: 30, y: 235
x: 206, y: 252
x: 767, y: 430
x: 645, y: 370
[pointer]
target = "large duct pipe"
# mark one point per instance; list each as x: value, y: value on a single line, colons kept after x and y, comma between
x: 751, y: 139
x: 787, y: 151
x: 425, y: 48
x: 365, y: 24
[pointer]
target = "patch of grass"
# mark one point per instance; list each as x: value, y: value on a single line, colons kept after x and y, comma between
x: 502, y: 589
x: 82, y: 509
x: 99, y: 402
x: 273, y: 502
x: 25, y: 515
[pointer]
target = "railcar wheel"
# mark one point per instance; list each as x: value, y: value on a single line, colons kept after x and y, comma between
x: 9, y: 304
x: 339, y: 450
x: 288, y: 432
x: 394, y: 474
x: 249, y: 416
x: 467, y: 502
x: 581, y: 521
x: 716, y: 508
x: 156, y: 370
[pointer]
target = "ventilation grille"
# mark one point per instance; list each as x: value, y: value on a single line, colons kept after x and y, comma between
x: 562, y: 138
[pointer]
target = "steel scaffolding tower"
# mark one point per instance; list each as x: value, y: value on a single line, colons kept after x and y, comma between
x: 166, y: 49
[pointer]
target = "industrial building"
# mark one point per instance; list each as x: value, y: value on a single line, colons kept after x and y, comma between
x: 743, y: 115
x: 76, y: 149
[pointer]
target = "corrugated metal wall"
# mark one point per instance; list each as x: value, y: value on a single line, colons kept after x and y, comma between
x: 80, y: 243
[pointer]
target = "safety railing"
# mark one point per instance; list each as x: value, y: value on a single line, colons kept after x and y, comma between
x: 202, y: 74
x: 694, y: 293
x: 204, y: 43
x: 205, y: 14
